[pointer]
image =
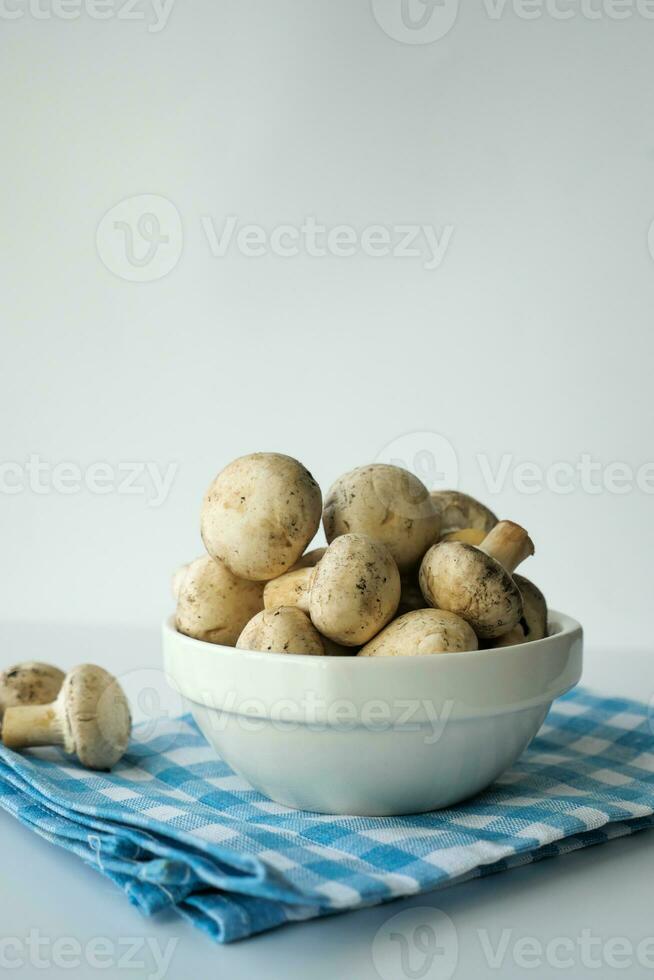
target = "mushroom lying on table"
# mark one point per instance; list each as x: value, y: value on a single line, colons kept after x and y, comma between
x: 29, y: 683
x: 213, y: 604
x: 259, y: 515
x: 90, y: 719
x: 459, y: 510
x: 388, y: 504
x: 355, y: 590
x: 477, y: 583
x: 420, y: 633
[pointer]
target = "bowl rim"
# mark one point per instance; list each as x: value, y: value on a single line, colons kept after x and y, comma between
x: 564, y: 626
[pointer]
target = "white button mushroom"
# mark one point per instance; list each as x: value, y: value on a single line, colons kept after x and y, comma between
x: 285, y: 629
x: 477, y: 583
x: 29, y: 683
x: 213, y: 604
x: 420, y: 633
x: 459, y: 510
x: 90, y: 718
x: 178, y: 578
x: 533, y: 623
x: 355, y: 590
x: 259, y: 515
x: 291, y: 589
x: 388, y: 504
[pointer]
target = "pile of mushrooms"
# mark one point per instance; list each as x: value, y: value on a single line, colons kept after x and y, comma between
x: 85, y: 712
x: 405, y: 572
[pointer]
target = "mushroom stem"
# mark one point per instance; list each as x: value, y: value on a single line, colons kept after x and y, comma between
x: 32, y: 724
x: 509, y: 544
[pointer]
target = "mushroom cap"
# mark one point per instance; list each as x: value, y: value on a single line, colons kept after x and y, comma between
x: 285, y: 629
x: 388, y: 504
x: 466, y: 581
x: 96, y: 717
x: 31, y: 682
x: 420, y: 633
x: 459, y: 510
x: 290, y: 589
x: 309, y: 559
x: 178, y: 578
x: 260, y: 513
x: 355, y: 590
x: 533, y: 623
x: 534, y: 609
x: 213, y: 604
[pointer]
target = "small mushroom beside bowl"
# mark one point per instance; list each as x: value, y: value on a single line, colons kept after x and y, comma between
x: 30, y: 682
x: 89, y: 718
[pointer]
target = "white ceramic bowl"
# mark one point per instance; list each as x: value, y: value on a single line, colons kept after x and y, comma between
x: 372, y: 735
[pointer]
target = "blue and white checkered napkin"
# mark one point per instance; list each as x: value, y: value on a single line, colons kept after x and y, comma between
x: 173, y: 826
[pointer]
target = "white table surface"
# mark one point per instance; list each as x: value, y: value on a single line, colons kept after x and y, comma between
x: 592, y: 910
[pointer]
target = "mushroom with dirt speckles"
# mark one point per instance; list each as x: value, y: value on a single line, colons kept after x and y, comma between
x: 29, y: 683
x: 213, y: 604
x: 533, y: 623
x: 420, y: 633
x: 90, y: 719
x: 460, y: 510
x: 387, y: 503
x: 355, y: 590
x: 285, y: 629
x: 477, y: 583
x: 259, y: 514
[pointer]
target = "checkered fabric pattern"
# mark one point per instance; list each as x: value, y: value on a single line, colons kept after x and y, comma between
x: 172, y: 825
